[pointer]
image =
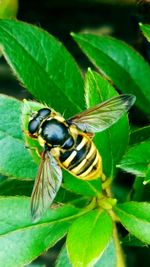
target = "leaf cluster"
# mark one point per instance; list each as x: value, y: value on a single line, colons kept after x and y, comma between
x: 88, y: 212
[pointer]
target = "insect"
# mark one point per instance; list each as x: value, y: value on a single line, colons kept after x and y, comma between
x: 68, y: 144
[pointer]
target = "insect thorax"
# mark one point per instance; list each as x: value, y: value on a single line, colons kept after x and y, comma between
x: 55, y: 132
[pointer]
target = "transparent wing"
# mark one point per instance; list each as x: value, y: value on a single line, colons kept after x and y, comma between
x: 47, y: 184
x: 103, y: 115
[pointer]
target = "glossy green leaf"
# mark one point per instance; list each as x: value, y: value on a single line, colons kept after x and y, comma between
x: 131, y: 241
x: 2, y: 178
x: 13, y: 187
x: 21, y: 241
x: 10, y: 122
x: 121, y: 192
x: 86, y: 188
x: 140, y: 135
x: 35, y: 265
x: 15, y: 160
x: 112, y: 142
x: 20, y: 165
x: 121, y: 63
x: 137, y: 159
x: 135, y: 217
x: 141, y: 188
x: 68, y: 197
x: 138, y: 189
x: 146, y: 30
x: 63, y: 259
x: 147, y: 177
x: 109, y: 256
x: 43, y: 65
x: 88, y: 237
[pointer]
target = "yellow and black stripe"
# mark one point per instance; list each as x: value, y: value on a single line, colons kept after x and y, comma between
x: 83, y: 161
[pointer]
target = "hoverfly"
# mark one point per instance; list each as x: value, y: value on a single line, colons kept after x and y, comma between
x: 68, y: 144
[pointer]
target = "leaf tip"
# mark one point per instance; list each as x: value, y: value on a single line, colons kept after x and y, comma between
x: 72, y: 34
x: 24, y: 100
x: 89, y: 69
x: 140, y: 24
x: 145, y: 182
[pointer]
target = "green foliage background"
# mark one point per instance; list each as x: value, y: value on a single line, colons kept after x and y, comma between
x: 47, y: 70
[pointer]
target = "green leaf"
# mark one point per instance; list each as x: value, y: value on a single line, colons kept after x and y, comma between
x: 35, y: 265
x: 63, y: 259
x: 43, y: 65
x: 146, y: 30
x: 121, y: 192
x: 10, y: 110
x: 119, y: 62
x: 147, y: 177
x: 137, y: 159
x: 112, y: 142
x: 138, y: 189
x: 108, y: 258
x: 3, y: 178
x: 85, y: 188
x: 88, y: 237
x: 13, y: 187
x: 67, y: 197
x: 135, y: 217
x: 140, y: 135
x: 21, y: 241
x: 20, y: 165
x: 130, y: 240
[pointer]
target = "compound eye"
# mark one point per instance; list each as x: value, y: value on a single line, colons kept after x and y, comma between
x: 44, y: 112
x: 33, y: 126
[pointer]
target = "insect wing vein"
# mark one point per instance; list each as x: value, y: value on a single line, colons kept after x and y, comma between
x: 103, y: 115
x: 47, y: 184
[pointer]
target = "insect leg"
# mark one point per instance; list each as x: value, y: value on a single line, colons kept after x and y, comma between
x: 36, y: 150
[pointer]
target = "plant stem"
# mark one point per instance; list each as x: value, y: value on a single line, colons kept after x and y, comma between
x: 119, y: 252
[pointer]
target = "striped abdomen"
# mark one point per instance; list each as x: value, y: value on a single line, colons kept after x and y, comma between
x: 83, y: 161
